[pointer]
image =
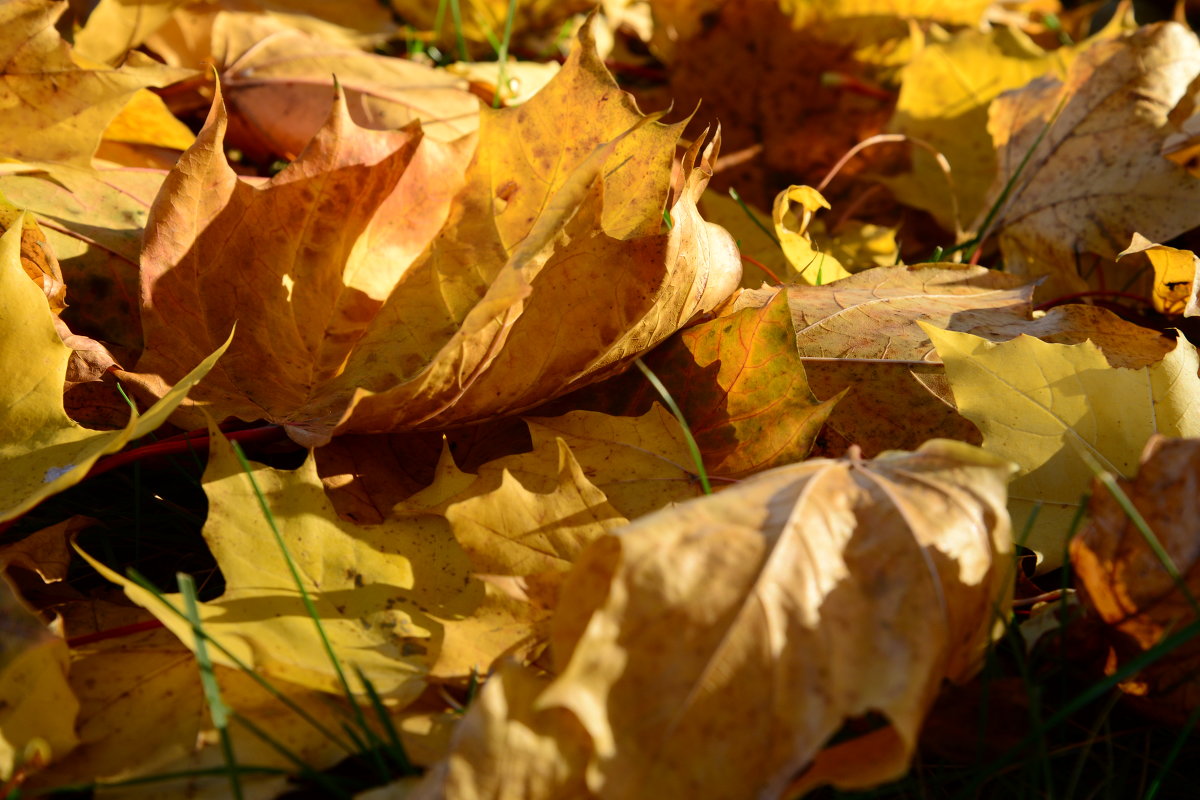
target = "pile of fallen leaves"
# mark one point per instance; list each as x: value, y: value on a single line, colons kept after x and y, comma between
x: 572, y: 471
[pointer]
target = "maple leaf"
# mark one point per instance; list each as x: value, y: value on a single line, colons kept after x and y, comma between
x: 43, y: 449
x: 740, y: 384
x: 1108, y: 120
x: 1128, y: 582
x: 378, y: 590
x: 753, y: 623
x: 1036, y: 403
x: 501, y: 310
x: 63, y: 108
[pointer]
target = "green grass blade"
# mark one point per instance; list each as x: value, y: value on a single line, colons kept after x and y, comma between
x: 395, y: 747
x: 460, y: 40
x: 693, y: 448
x: 973, y: 245
x: 304, y: 769
x: 1184, y: 733
x: 502, y: 53
x: 1143, y: 527
x: 737, y: 198
x: 1084, y: 698
x: 267, y: 686
x: 305, y: 597
x: 208, y: 681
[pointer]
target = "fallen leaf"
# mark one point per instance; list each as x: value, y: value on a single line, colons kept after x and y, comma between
x: 712, y: 649
x: 143, y: 712
x: 640, y: 463
x: 115, y: 26
x: 57, y: 111
x: 1107, y: 120
x: 1123, y: 580
x: 1037, y: 404
x: 513, y: 531
x: 463, y: 332
x: 1123, y: 343
x: 768, y: 84
x: 484, y: 21
x: 850, y: 13
x: 379, y: 591
x: 43, y: 450
x: 1175, y: 276
x: 750, y: 228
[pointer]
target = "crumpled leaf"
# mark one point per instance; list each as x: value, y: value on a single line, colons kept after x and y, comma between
x: 43, y: 450
x: 755, y: 623
x: 1107, y: 121
x: 1038, y: 404
x: 380, y: 591
x: 1123, y: 580
x: 506, y: 746
x: 57, y: 111
x: 753, y: 239
x: 1175, y: 276
x: 115, y: 26
x: 464, y: 332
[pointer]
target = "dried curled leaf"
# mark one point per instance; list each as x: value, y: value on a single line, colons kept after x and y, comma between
x: 360, y: 315
x: 712, y: 649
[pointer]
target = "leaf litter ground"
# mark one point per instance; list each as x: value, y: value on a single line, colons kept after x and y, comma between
x: 552, y: 605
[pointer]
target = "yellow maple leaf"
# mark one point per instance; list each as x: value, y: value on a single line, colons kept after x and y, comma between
x: 378, y: 590
x: 1037, y: 404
